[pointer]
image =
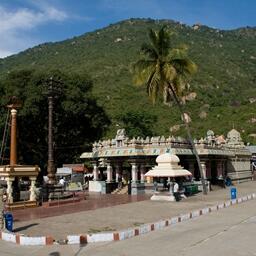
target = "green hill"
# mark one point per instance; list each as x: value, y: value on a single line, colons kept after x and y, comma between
x: 224, y: 85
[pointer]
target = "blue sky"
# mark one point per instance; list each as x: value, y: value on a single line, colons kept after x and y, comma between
x: 26, y: 23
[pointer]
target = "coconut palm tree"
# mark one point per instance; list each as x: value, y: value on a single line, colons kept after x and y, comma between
x: 165, y: 71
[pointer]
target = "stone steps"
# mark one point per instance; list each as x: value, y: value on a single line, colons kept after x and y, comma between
x: 21, y: 205
x: 120, y: 191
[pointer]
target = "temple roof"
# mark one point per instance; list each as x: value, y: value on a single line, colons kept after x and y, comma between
x: 122, y: 146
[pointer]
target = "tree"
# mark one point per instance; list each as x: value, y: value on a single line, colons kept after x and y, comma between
x: 78, y: 120
x: 165, y: 71
x: 137, y: 123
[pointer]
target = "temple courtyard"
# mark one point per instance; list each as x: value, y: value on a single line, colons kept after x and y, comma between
x: 108, y: 213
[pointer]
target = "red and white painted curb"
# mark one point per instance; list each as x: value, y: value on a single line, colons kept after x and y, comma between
x: 119, y: 235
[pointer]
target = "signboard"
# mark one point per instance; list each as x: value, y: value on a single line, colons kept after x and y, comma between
x: 63, y: 171
x: 74, y: 186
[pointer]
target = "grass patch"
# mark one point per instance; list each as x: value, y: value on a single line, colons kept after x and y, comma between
x: 98, y: 230
x: 137, y: 224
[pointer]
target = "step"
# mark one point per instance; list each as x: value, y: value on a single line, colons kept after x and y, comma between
x: 21, y: 205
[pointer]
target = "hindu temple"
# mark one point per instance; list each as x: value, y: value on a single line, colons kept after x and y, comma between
x: 130, y: 158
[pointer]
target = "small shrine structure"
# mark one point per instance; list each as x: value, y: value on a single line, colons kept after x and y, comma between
x: 168, y: 167
x: 14, y: 172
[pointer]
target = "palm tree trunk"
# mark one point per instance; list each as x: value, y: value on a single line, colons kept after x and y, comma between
x: 190, y: 138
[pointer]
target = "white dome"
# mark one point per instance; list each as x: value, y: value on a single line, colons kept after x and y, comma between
x: 233, y: 133
x: 167, y: 158
x: 168, y: 166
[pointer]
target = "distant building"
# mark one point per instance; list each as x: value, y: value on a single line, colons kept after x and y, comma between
x: 252, y: 149
x: 73, y: 172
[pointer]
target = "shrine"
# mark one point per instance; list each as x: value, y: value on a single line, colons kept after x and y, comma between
x: 13, y: 172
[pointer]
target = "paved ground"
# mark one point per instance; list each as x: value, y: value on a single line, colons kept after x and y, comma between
x: 120, y: 216
x: 230, y: 231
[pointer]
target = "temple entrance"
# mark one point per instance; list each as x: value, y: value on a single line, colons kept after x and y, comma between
x: 214, y: 173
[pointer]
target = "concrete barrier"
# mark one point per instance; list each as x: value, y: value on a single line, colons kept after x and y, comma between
x: 119, y: 235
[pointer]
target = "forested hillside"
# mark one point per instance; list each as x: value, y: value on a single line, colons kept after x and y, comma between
x: 224, y: 91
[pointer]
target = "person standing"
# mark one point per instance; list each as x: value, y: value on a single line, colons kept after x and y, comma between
x: 176, y: 191
x: 62, y: 181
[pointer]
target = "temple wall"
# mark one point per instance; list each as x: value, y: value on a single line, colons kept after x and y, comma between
x: 239, y: 169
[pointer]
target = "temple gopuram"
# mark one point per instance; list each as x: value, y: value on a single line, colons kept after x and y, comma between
x: 127, y: 160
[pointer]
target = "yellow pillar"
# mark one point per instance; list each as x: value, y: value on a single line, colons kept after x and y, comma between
x: 13, y: 146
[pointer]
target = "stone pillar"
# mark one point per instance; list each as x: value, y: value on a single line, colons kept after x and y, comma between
x: 32, y: 189
x: 191, y: 168
x: 95, y: 171
x: 9, y: 190
x: 1, y: 209
x: 203, y: 165
x: 13, y: 146
x: 220, y: 168
x: 109, y: 172
x: 134, y: 173
x: 171, y: 183
x: 142, y: 173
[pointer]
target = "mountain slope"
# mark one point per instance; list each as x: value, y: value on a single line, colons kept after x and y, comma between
x: 224, y: 84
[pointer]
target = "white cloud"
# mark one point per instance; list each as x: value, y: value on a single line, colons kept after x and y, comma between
x: 4, y: 53
x: 15, y: 24
x: 54, y: 14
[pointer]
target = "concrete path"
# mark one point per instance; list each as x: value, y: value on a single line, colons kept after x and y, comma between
x: 125, y: 215
x: 227, y: 232
x: 230, y: 231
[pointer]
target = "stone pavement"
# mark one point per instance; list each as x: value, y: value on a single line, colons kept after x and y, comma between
x: 118, y: 217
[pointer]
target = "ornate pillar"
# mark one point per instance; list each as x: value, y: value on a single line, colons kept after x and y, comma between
x: 203, y: 165
x: 9, y: 190
x: 134, y: 172
x: 171, y: 183
x: 13, y: 146
x: 220, y: 168
x: 1, y: 209
x: 32, y: 189
x: 95, y: 170
x: 50, y: 163
x: 142, y: 173
x: 109, y: 172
